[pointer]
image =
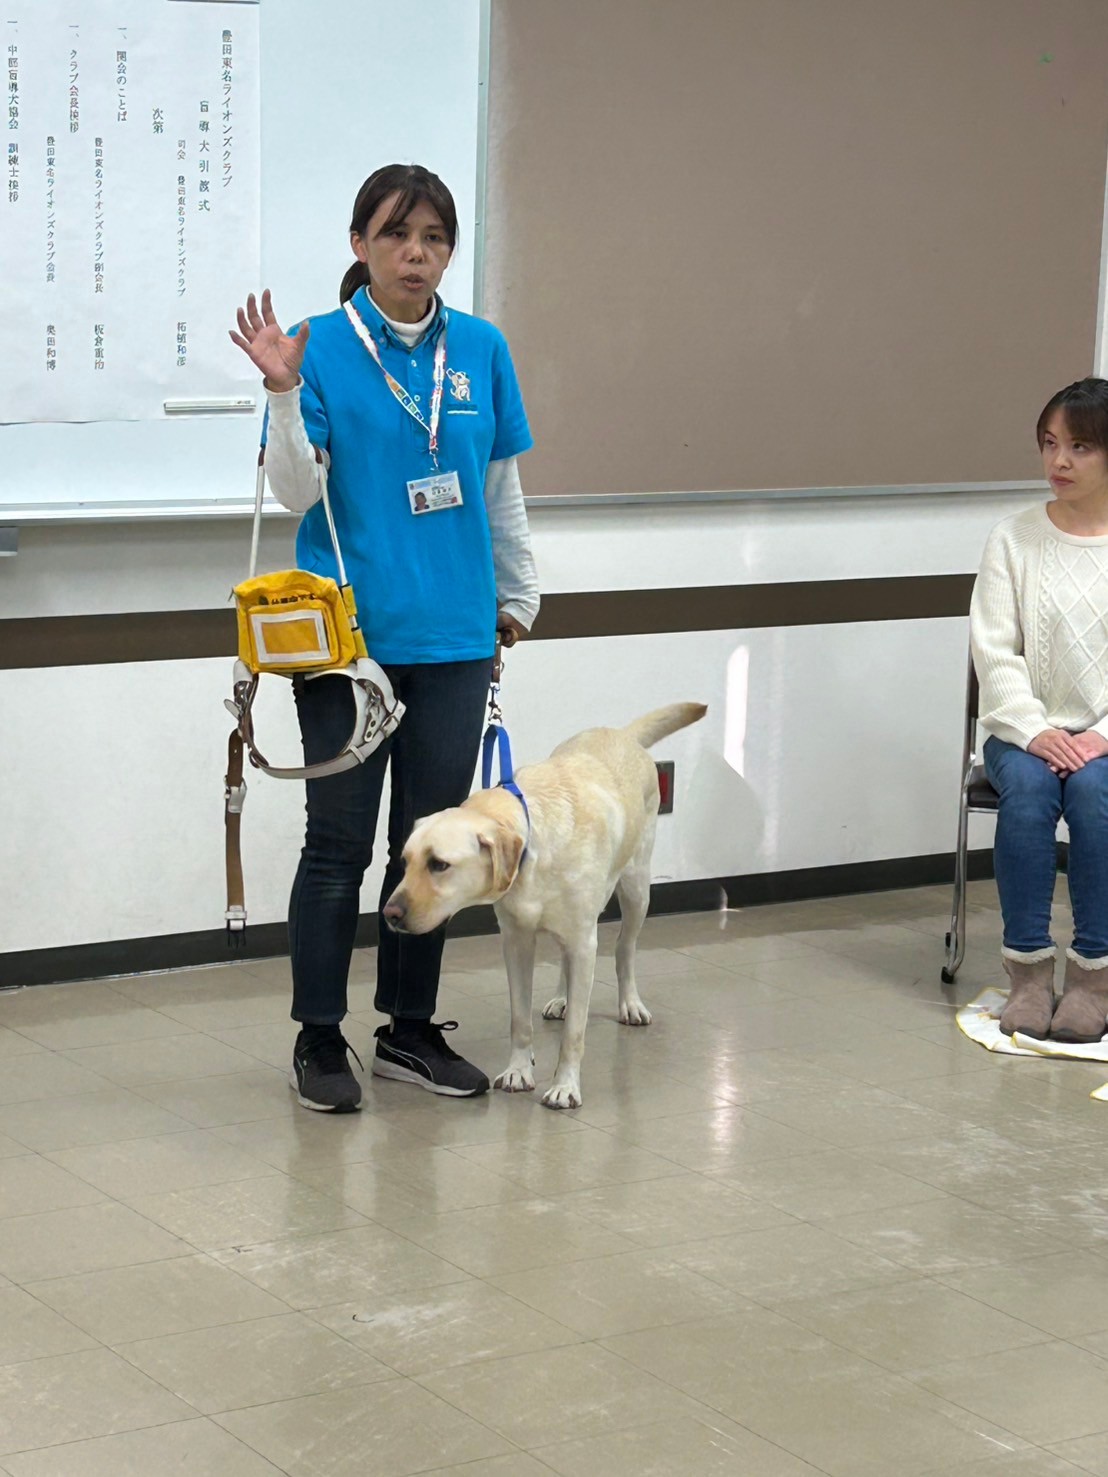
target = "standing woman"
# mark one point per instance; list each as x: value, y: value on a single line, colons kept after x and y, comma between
x: 1039, y: 628
x: 417, y: 414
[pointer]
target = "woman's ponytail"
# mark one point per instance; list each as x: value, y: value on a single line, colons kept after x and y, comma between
x: 357, y: 275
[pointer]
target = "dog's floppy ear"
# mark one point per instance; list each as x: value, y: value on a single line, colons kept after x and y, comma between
x: 505, y: 848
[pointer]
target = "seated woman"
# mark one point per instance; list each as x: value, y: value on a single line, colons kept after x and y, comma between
x: 1039, y: 630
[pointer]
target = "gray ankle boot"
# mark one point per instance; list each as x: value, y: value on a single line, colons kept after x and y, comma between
x: 1083, y: 1008
x: 1031, y: 998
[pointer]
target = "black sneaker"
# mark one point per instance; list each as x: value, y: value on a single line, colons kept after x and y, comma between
x: 414, y: 1051
x: 321, y: 1075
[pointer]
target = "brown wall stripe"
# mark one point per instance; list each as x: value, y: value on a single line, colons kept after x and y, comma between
x: 180, y: 635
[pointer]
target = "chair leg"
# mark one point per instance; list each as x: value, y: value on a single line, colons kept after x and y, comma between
x: 956, y: 938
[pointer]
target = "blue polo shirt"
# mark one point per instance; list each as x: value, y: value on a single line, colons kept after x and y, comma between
x: 424, y: 584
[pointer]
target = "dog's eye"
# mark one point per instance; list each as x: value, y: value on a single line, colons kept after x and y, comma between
x: 436, y: 864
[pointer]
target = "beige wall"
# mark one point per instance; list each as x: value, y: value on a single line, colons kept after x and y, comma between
x: 791, y: 243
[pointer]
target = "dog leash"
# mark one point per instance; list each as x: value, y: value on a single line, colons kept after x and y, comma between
x: 496, y: 743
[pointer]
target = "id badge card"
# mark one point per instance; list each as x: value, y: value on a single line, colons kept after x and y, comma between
x: 432, y: 494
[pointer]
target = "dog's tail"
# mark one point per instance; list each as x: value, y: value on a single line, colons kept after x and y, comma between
x: 664, y: 721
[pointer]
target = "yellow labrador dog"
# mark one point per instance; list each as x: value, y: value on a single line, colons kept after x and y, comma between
x: 587, y: 830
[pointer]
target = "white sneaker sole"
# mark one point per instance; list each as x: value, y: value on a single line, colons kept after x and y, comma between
x: 306, y: 1102
x: 396, y: 1073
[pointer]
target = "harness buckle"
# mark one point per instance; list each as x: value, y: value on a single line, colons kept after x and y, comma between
x: 234, y: 797
x: 236, y: 926
x: 495, y: 714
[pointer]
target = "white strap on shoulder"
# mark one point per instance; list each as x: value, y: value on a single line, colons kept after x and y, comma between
x: 259, y: 498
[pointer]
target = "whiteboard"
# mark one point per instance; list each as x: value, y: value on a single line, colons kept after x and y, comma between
x: 132, y: 205
x: 346, y: 86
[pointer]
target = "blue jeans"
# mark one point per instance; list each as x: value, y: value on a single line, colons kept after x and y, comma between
x: 1032, y: 799
x: 433, y: 754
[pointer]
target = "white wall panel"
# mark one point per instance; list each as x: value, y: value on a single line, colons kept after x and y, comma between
x: 823, y: 745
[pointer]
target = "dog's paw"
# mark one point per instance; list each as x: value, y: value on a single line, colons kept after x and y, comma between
x: 634, y: 1013
x: 516, y: 1079
x: 555, y: 1010
x: 562, y: 1095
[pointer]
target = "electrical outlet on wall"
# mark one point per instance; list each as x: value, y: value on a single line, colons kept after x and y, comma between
x: 665, y: 786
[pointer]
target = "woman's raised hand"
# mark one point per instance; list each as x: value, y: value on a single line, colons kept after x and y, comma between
x: 269, y: 347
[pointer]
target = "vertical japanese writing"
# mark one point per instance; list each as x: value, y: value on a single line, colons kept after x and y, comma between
x: 51, y: 218
x: 182, y: 207
x: 13, y: 120
x: 98, y: 213
x: 74, y: 89
x: 227, y: 73
x: 204, y: 158
x: 13, y: 86
x: 121, y: 79
x: 129, y: 131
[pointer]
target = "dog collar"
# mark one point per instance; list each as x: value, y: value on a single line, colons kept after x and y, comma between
x: 513, y: 789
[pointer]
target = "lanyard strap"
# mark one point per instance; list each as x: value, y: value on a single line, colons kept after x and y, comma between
x: 496, y: 742
x: 401, y: 394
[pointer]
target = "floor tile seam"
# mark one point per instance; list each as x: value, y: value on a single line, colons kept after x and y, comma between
x: 712, y: 1412
x: 573, y: 1337
x: 357, y: 1384
x: 17, y: 1364
x: 1048, y: 1334
x: 638, y: 1371
x: 781, y: 1309
x: 923, y: 1372
x: 48, y: 1156
x: 1065, y: 1244
x: 235, y: 1071
x: 391, y: 1168
x: 708, y: 1404
x: 379, y: 1384
x: 614, y: 1130
x: 54, y: 1096
x: 81, y: 1440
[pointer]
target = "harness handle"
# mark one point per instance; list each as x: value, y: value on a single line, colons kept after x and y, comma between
x: 259, y: 495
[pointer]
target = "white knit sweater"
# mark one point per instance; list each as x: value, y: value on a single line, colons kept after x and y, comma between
x: 1039, y: 629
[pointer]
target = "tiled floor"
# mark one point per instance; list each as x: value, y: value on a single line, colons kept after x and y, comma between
x: 800, y: 1226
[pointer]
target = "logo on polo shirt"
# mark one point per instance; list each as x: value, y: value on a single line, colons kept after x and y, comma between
x: 459, y: 384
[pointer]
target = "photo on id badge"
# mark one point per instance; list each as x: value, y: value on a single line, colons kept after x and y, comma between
x: 432, y: 494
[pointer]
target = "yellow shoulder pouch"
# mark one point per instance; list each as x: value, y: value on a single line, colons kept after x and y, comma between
x: 294, y: 621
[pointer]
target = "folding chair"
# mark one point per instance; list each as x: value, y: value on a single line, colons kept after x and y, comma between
x: 977, y: 797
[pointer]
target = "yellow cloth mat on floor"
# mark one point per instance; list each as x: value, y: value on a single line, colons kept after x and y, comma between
x: 980, y: 1021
